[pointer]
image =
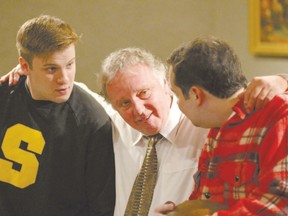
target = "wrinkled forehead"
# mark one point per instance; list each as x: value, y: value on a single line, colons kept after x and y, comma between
x: 128, y: 84
x: 132, y: 81
x: 134, y: 73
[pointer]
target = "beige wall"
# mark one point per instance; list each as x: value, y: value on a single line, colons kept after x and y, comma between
x: 156, y: 25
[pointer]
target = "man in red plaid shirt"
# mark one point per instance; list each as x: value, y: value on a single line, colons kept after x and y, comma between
x: 244, y: 163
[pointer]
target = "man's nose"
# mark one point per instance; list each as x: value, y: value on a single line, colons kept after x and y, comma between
x: 138, y: 107
x: 62, y: 76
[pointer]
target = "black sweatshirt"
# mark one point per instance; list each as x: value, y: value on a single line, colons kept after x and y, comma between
x: 55, y: 159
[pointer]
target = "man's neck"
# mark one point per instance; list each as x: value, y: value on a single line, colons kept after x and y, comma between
x: 224, y: 108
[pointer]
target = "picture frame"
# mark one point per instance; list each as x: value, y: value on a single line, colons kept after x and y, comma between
x: 268, y: 23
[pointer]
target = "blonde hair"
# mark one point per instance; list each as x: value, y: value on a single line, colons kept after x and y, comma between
x: 43, y: 35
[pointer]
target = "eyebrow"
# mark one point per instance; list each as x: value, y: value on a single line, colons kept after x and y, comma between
x: 49, y: 64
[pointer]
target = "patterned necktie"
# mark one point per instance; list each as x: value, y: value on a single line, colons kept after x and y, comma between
x: 143, y: 188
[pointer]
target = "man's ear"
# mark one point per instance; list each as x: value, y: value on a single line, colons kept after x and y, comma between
x: 197, y: 94
x: 24, y: 66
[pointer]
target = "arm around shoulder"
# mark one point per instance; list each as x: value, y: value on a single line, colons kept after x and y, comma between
x: 285, y: 77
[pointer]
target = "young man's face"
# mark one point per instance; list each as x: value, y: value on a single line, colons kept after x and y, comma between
x: 140, y: 99
x: 51, y: 77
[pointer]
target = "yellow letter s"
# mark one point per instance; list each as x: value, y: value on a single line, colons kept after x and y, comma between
x: 12, y: 152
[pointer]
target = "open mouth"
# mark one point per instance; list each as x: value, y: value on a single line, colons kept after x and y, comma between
x: 143, y: 118
x: 148, y: 117
x: 62, y: 90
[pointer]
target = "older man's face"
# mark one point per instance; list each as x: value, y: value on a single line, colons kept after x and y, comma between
x: 140, y: 99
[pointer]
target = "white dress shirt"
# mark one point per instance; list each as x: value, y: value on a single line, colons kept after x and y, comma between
x: 177, y: 153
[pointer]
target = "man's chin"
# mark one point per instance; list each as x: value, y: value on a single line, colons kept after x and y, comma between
x: 61, y: 99
x: 150, y: 131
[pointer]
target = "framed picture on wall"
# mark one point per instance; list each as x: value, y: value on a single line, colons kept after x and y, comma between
x: 268, y: 27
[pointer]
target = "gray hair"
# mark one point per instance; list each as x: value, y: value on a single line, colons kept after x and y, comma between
x: 124, y: 58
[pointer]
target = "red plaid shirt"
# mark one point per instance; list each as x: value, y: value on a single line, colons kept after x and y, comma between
x: 244, y: 164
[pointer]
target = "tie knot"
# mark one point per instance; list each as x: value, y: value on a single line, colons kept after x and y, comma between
x: 152, y: 140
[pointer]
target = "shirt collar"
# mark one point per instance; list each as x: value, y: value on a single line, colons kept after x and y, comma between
x: 239, y: 109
